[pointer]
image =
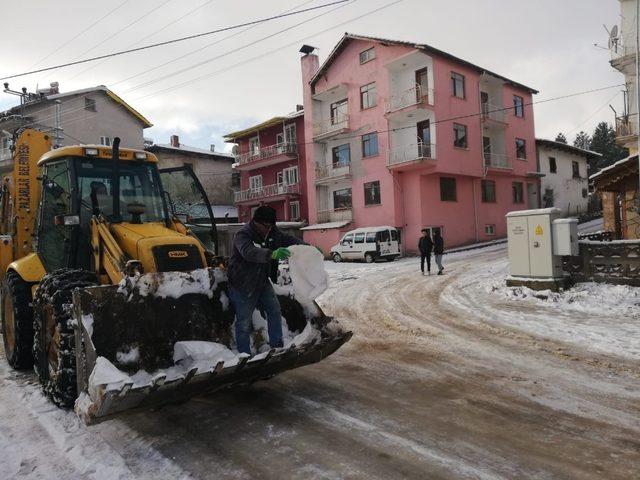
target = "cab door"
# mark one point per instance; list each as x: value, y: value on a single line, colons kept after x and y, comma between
x: 188, y: 202
x: 346, y: 246
x: 394, y: 245
x: 384, y: 242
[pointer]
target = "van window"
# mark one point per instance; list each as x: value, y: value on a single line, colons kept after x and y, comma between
x: 383, y: 236
x: 394, y: 235
x: 359, y: 238
x: 347, y: 239
x: 371, y: 237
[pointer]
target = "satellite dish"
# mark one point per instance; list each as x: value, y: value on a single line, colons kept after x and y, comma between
x: 614, y: 31
x: 613, y: 38
x: 235, y: 150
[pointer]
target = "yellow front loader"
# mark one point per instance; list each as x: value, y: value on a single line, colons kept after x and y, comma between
x: 102, y: 276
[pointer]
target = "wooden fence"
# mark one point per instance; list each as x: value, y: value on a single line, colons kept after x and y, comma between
x: 616, y: 261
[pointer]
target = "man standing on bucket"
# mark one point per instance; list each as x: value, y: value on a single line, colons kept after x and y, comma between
x: 257, y: 248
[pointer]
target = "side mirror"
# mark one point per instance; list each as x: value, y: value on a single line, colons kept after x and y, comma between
x: 66, y: 220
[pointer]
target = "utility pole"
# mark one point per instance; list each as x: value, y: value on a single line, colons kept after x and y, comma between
x: 638, y: 95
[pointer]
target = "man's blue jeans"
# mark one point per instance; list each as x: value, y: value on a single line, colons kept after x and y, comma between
x: 244, y: 305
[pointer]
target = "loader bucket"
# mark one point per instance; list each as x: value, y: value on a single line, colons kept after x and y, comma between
x: 129, y: 332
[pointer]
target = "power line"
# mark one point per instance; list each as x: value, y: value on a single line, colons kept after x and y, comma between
x: 78, y: 34
x: 235, y: 50
x: 175, y: 40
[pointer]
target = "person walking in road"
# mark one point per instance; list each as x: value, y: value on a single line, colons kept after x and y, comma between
x: 425, y: 245
x: 438, y: 250
x: 257, y: 248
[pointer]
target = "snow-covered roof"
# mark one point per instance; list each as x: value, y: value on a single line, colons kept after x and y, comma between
x: 188, y: 149
x: 567, y: 148
x: 613, y: 166
x: 326, y: 226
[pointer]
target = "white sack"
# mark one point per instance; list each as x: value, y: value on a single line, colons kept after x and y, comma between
x: 306, y: 268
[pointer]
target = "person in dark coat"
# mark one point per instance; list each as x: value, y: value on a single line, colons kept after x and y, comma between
x: 425, y: 245
x: 438, y: 250
x: 257, y: 249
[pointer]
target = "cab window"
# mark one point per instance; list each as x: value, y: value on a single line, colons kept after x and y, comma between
x: 347, y: 239
x: 394, y: 235
x: 371, y: 237
x: 359, y: 238
x: 54, y: 238
x: 383, y: 236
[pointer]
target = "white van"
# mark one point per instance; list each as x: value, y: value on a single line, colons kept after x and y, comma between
x: 368, y: 244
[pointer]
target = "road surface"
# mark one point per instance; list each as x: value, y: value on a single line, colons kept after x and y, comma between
x: 434, y: 384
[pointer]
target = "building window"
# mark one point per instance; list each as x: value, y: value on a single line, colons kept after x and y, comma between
x: 370, y: 145
x: 553, y: 166
x: 290, y: 176
x: 372, y: 193
x: 368, y: 95
x: 447, y: 189
x: 106, y: 141
x: 490, y: 229
x: 342, y: 199
x: 235, y: 180
x: 254, y: 146
x: 368, y: 55
x: 521, y: 149
x: 547, y: 198
x: 518, y: 106
x: 90, y: 104
x: 459, y: 135
x: 339, y: 112
x: 341, y: 155
x: 585, y: 193
x: 290, y: 134
x: 457, y: 85
x: 294, y: 211
x: 488, y: 191
x: 575, y: 169
x: 518, y: 192
x: 255, y: 183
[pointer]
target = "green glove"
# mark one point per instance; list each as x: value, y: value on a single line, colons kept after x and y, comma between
x: 281, y: 253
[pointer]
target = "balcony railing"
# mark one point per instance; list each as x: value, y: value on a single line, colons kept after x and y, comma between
x: 410, y: 153
x: 337, y: 215
x: 266, y: 191
x: 497, y: 160
x: 267, y: 152
x: 324, y: 172
x: 412, y: 96
x: 627, y: 125
x: 333, y: 124
x: 493, y: 112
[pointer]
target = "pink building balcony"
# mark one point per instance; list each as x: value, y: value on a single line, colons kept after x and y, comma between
x: 271, y: 192
x: 416, y: 97
x: 266, y: 156
x: 337, y: 215
x: 497, y: 162
x: 416, y: 154
x: 329, y: 127
x: 328, y: 173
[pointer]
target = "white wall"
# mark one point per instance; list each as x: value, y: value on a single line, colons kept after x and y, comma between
x: 567, y: 191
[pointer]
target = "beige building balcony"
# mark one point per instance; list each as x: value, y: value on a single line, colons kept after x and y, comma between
x: 329, y: 127
x: 266, y: 156
x: 267, y: 191
x: 337, y: 215
x: 416, y: 97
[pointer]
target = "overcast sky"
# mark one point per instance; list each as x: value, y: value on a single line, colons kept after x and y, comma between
x: 545, y: 44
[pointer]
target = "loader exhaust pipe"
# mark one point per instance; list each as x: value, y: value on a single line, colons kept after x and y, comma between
x: 115, y: 156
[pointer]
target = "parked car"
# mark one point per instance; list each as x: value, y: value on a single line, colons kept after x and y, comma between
x: 368, y: 244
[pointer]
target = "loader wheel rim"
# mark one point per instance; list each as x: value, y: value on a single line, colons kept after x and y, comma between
x: 52, y: 343
x: 9, y: 327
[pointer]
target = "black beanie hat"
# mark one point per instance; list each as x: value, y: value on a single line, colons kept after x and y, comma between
x: 265, y: 214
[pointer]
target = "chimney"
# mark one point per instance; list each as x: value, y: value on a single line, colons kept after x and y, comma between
x: 299, y: 107
x: 175, y: 141
x: 213, y: 147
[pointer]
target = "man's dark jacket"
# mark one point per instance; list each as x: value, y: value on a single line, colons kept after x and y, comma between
x: 438, y: 245
x: 425, y: 245
x: 250, y: 265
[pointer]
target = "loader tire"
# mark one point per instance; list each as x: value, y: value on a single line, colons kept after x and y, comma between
x: 17, y: 321
x: 54, y: 350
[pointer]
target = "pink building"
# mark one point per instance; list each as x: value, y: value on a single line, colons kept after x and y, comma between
x: 404, y: 134
x: 270, y: 158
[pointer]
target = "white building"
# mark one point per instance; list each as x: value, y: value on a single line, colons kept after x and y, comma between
x: 565, y: 183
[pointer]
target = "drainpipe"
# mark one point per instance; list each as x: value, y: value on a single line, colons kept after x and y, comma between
x: 638, y: 92
x: 475, y: 211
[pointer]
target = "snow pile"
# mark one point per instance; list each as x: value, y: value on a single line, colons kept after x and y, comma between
x: 129, y: 356
x: 306, y: 268
x: 186, y: 353
x: 87, y: 322
x: 173, y: 284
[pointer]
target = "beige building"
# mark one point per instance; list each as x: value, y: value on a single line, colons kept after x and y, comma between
x: 213, y: 169
x: 90, y: 116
